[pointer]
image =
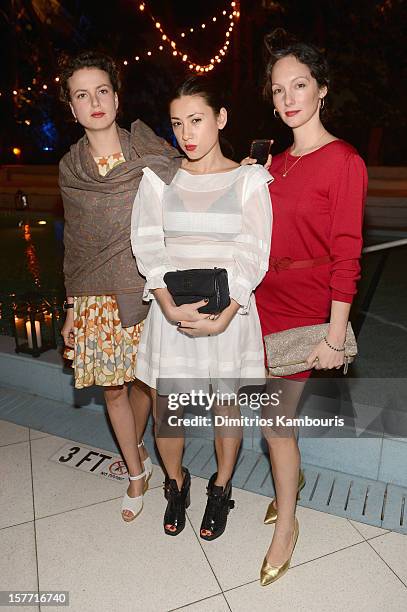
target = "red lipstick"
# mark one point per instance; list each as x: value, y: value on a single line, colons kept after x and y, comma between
x: 291, y: 113
x: 190, y: 147
x: 98, y: 115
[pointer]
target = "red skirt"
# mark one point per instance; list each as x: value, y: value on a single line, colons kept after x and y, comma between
x: 293, y: 298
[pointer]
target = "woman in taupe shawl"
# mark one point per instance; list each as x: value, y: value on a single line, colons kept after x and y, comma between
x: 99, y: 178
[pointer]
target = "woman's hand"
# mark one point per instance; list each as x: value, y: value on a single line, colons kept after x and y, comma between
x: 67, y: 331
x: 174, y: 313
x: 209, y: 325
x: 204, y: 327
x: 248, y: 161
x: 325, y: 358
x: 186, y: 312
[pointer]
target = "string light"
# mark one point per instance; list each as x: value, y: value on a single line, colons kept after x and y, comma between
x: 183, y: 34
x: 181, y: 53
x: 21, y: 95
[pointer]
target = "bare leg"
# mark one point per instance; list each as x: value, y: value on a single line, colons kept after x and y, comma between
x: 140, y: 402
x: 122, y: 420
x: 170, y: 446
x: 285, y: 460
x: 227, y: 443
x: 169, y: 440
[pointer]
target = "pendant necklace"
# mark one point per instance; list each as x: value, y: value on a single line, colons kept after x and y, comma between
x: 287, y: 170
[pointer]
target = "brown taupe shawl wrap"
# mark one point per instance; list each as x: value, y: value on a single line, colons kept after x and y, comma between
x: 98, y: 257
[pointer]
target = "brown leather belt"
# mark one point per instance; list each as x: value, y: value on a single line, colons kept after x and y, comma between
x: 287, y: 263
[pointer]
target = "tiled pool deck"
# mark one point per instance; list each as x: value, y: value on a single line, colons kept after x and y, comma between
x: 61, y: 529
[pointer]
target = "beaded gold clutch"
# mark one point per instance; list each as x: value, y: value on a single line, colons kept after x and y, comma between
x: 287, y: 351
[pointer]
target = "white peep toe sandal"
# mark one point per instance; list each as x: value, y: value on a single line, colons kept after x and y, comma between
x: 133, y: 504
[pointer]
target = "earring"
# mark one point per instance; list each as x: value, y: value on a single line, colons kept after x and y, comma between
x: 275, y: 112
x: 322, y: 104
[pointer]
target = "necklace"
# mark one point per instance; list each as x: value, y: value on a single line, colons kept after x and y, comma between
x: 287, y: 170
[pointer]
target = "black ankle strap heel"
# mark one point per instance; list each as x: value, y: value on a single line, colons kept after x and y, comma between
x: 178, y: 501
x: 217, y: 509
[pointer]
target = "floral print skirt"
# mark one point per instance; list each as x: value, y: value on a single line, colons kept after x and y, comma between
x: 105, y: 353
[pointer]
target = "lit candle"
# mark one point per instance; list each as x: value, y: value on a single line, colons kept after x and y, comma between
x: 36, y: 331
x: 19, y: 323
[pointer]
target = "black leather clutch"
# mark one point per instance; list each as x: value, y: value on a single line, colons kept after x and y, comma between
x: 188, y: 286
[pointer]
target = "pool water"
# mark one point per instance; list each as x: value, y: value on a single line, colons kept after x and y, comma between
x: 31, y: 257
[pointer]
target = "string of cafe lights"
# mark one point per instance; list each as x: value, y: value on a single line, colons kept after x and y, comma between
x: 230, y: 15
x: 23, y: 93
x: 232, y: 18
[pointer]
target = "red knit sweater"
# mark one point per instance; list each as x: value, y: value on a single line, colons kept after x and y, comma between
x: 317, y: 211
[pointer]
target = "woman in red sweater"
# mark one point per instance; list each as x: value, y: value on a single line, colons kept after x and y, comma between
x: 318, y: 197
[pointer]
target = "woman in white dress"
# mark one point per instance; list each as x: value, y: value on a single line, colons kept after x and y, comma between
x: 215, y: 213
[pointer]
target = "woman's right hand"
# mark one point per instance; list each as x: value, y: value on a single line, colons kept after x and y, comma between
x: 67, y: 331
x: 186, y: 312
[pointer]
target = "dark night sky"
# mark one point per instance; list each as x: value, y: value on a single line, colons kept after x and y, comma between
x: 363, y: 39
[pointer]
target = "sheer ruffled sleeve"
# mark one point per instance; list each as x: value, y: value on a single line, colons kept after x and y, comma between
x: 147, y: 234
x: 252, y: 246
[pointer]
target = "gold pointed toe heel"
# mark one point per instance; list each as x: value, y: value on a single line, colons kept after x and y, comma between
x: 270, y: 573
x: 271, y: 514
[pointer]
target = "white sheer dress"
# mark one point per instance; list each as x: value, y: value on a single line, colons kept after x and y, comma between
x: 219, y: 220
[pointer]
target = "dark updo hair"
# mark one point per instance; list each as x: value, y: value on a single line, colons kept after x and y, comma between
x: 204, y: 86
x: 280, y: 44
x: 87, y: 59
